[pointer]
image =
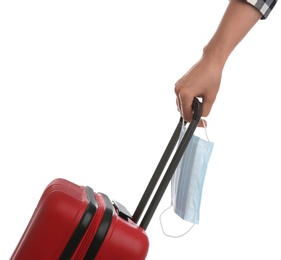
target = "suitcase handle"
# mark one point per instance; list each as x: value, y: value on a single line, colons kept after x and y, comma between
x: 197, y: 112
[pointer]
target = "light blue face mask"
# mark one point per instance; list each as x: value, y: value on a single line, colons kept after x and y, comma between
x: 188, y: 180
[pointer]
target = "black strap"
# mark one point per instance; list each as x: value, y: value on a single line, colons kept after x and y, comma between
x: 81, y: 227
x: 102, y: 230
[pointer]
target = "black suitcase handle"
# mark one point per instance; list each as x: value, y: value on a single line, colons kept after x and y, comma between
x: 197, y: 112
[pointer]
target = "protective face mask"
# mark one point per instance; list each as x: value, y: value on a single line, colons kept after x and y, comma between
x: 188, y: 180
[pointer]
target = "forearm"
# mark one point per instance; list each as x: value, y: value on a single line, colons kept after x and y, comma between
x: 203, y: 79
x: 237, y: 21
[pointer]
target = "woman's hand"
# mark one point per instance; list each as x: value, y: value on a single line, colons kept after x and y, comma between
x: 203, y: 81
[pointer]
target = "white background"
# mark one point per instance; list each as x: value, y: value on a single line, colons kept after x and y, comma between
x: 87, y: 94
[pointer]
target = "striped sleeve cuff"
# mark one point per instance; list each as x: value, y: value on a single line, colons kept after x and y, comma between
x: 264, y: 6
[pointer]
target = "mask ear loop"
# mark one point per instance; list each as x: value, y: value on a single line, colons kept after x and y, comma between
x: 205, y: 128
x: 168, y: 235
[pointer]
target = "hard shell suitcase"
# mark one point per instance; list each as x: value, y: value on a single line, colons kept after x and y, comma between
x: 75, y: 222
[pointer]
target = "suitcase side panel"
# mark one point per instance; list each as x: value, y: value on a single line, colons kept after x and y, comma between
x: 54, y: 220
x: 124, y: 240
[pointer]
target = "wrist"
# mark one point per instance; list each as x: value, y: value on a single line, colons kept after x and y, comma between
x: 216, y: 55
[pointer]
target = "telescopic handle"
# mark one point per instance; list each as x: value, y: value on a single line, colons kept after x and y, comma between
x: 197, y: 112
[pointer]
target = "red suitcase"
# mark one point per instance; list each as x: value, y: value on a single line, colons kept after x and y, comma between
x: 74, y: 222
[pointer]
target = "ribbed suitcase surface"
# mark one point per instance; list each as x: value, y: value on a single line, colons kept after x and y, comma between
x: 73, y: 222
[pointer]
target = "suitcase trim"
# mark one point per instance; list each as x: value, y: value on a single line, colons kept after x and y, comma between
x: 102, y: 230
x: 82, y: 226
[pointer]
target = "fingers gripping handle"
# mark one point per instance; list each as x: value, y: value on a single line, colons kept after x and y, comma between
x: 197, y: 112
